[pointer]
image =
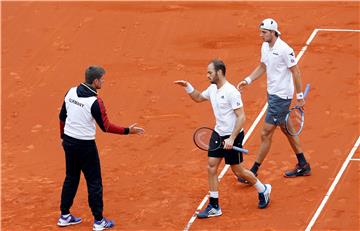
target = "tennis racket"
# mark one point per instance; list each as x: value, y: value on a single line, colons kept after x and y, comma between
x: 294, y: 120
x: 209, y: 140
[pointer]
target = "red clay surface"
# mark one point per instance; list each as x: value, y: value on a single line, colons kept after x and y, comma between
x: 340, y: 212
x: 155, y: 182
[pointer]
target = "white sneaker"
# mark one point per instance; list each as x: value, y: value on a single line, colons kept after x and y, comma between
x: 264, y: 197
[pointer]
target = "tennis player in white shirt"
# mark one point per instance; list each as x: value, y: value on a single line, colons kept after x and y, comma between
x: 279, y: 63
x: 230, y: 117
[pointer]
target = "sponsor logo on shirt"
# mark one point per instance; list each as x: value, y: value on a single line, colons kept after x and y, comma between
x: 76, y: 102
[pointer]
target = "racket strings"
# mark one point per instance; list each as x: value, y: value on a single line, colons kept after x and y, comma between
x: 295, y: 121
x: 202, y: 139
x: 205, y: 139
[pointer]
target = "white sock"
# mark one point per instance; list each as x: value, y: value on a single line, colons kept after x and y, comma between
x: 259, y: 186
x: 66, y: 216
x: 214, y: 194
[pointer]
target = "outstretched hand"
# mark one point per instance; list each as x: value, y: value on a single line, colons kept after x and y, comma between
x: 135, y: 130
x: 241, y: 85
x: 182, y: 83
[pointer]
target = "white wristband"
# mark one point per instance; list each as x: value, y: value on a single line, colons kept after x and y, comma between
x: 300, y: 95
x: 189, y: 88
x: 248, y: 80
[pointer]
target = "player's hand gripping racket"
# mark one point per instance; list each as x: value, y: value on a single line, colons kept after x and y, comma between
x: 209, y: 140
x: 294, y: 120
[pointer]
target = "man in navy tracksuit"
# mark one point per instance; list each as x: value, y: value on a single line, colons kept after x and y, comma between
x: 82, y: 108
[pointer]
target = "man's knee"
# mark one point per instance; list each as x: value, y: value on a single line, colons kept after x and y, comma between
x: 266, y: 133
x: 212, y: 169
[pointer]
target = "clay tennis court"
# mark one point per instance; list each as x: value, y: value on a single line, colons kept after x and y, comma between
x: 157, y: 181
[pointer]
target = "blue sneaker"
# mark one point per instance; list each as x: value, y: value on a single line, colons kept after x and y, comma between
x: 264, y: 197
x: 299, y: 171
x: 68, y: 220
x: 210, y: 211
x: 103, y: 224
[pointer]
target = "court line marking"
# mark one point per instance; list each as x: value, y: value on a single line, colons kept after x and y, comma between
x: 262, y: 112
x: 356, y: 159
x: 339, y: 30
x: 333, y: 185
x: 251, y: 129
x: 1, y: 104
x: 318, y: 211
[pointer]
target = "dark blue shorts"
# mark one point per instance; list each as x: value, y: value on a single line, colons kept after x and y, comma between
x: 277, y: 110
x: 232, y: 157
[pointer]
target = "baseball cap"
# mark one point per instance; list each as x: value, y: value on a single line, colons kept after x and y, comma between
x: 269, y: 24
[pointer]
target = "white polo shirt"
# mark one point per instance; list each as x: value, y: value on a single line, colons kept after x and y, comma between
x: 278, y: 60
x: 224, y: 101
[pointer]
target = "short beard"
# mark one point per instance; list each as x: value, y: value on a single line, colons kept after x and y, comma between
x: 215, y: 80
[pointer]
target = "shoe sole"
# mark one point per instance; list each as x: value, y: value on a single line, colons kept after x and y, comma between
x: 306, y: 174
x: 102, y: 229
x: 65, y: 225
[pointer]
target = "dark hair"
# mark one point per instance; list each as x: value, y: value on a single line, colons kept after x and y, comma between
x: 219, y: 65
x: 92, y: 73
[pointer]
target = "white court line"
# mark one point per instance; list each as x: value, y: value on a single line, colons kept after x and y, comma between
x: 254, y: 124
x: 339, y: 30
x: 357, y: 159
x: 333, y: 185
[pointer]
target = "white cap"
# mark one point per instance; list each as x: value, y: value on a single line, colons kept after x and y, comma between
x: 269, y: 24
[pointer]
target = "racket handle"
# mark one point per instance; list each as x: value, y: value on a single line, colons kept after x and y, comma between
x: 307, y: 89
x: 245, y: 151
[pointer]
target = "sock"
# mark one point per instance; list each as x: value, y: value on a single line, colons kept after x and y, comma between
x: 259, y: 186
x: 214, y: 199
x: 65, y: 215
x: 301, y: 159
x: 255, y: 167
x: 99, y: 218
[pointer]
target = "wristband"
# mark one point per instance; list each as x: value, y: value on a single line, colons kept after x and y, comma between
x: 300, y: 95
x: 248, y: 80
x: 189, y: 88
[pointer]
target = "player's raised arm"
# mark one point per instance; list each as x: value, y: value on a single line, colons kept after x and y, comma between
x: 193, y: 93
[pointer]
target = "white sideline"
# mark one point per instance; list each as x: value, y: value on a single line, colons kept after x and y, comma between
x: 333, y: 185
x: 254, y: 124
